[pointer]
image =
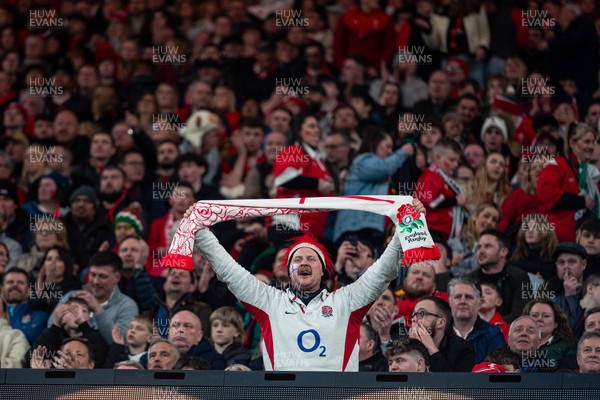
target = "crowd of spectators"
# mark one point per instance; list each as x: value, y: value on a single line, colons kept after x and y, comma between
x: 118, y: 115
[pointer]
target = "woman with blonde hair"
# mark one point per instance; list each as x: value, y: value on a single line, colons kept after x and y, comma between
x: 34, y: 165
x: 224, y: 104
x: 535, y: 242
x: 490, y: 183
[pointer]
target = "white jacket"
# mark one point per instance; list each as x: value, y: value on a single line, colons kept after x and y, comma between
x: 322, y: 336
x: 13, y: 346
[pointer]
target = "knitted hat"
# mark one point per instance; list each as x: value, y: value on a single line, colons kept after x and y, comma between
x: 498, y: 123
x: 506, y: 103
x: 86, y: 191
x: 309, y: 241
x: 132, y: 215
x: 464, y: 66
x: 198, y: 125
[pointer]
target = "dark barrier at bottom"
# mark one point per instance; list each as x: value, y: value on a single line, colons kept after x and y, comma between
x: 25, y: 384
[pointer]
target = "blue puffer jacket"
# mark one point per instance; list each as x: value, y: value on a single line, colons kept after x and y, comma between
x: 368, y: 175
x: 485, y: 337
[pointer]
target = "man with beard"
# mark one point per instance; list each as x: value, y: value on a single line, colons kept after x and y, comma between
x: 167, y: 153
x: 186, y: 333
x: 103, y: 296
x: 492, y: 254
x: 306, y: 327
x: 465, y: 299
x: 135, y: 281
x: 87, y: 230
x: 113, y: 193
x: 418, y: 282
x: 162, y: 354
x: 447, y: 352
x: 16, y: 294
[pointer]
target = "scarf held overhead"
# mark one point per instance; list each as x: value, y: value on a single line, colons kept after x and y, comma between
x: 415, y: 239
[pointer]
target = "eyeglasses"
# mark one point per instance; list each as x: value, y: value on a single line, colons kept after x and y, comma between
x: 422, y: 313
x: 333, y: 146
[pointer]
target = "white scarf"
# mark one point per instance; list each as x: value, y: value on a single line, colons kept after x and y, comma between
x: 413, y: 233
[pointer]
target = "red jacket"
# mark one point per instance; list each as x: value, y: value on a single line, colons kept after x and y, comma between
x: 292, y: 162
x: 524, y: 132
x: 500, y: 323
x: 431, y: 190
x: 558, y: 178
x: 517, y: 205
x: 367, y: 34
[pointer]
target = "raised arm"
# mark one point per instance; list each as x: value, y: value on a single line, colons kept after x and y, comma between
x: 240, y: 282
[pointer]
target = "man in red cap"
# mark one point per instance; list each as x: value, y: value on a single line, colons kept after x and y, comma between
x: 306, y: 327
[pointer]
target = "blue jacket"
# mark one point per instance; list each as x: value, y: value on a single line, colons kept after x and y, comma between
x: 485, y: 337
x: 368, y: 175
x: 28, y: 321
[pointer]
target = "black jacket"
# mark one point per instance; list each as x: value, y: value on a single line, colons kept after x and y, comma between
x: 235, y: 354
x: 376, y: 363
x: 85, y: 242
x: 455, y: 355
x: 206, y: 351
x: 53, y: 337
x: 515, y: 289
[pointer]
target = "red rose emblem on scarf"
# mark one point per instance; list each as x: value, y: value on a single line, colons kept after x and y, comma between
x: 408, y: 218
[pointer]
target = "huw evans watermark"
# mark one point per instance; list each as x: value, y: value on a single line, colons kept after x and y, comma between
x: 413, y: 123
x: 168, y: 55
x: 537, y: 19
x: 167, y: 123
x: 414, y: 55
x: 537, y: 87
x: 286, y: 19
x: 291, y: 87
x: 45, y: 87
x: 45, y: 19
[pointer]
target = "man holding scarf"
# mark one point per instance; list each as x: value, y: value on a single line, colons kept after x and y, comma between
x: 302, y: 326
